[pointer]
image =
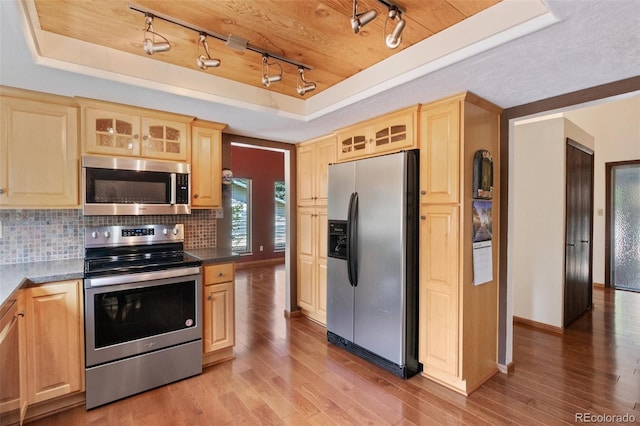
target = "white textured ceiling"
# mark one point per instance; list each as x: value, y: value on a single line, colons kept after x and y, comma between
x: 593, y: 42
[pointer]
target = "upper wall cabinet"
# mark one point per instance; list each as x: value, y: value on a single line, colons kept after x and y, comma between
x: 389, y: 133
x: 38, y: 150
x: 120, y: 130
x: 206, y: 164
x: 313, y: 160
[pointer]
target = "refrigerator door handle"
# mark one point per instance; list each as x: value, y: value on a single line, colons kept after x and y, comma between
x: 352, y: 246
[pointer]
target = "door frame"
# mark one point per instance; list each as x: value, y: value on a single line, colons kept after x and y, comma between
x: 595, y: 93
x: 608, y: 235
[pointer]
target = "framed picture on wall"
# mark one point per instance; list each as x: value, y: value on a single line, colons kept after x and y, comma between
x: 483, y: 175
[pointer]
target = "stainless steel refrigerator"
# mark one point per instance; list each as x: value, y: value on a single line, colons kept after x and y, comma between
x: 372, y: 263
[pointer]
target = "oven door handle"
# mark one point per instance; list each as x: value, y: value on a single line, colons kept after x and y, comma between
x: 140, y: 277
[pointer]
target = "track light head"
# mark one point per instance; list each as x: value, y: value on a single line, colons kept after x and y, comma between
x: 362, y: 19
x: 303, y: 86
x: 206, y: 61
x: 149, y: 43
x: 267, y: 79
x: 394, y: 39
x: 359, y: 20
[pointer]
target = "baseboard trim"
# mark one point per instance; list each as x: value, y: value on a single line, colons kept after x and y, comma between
x: 292, y: 314
x: 599, y: 285
x: 263, y: 262
x: 506, y: 369
x: 538, y: 325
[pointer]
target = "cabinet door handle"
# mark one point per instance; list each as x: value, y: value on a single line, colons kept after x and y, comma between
x: 195, y: 195
x: 20, y: 314
x: 1, y: 191
x: 220, y: 274
x: 423, y: 217
x: 423, y: 192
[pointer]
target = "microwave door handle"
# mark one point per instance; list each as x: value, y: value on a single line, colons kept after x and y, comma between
x: 173, y: 189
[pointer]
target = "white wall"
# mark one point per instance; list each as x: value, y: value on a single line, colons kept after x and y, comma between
x: 616, y: 128
x: 537, y: 216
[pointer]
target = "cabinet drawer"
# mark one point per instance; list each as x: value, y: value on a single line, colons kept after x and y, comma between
x: 220, y: 273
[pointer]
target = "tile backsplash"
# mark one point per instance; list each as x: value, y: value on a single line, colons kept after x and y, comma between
x: 43, y: 235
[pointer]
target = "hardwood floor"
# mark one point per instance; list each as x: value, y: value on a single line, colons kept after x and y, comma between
x: 285, y: 372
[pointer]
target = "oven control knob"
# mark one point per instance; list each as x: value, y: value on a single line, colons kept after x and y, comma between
x: 165, y: 231
x: 107, y: 234
x: 175, y: 231
x: 94, y: 234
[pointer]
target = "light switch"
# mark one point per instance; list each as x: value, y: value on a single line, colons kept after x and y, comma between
x: 219, y: 214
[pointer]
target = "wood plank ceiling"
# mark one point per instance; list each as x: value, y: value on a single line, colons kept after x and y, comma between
x: 314, y: 32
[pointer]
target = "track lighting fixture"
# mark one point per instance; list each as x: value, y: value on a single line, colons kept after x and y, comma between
x: 394, y: 39
x: 267, y: 78
x: 240, y: 44
x: 303, y: 86
x: 206, y: 61
x: 149, y: 44
x: 359, y: 20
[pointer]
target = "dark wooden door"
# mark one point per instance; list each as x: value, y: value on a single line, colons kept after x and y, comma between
x: 578, y: 294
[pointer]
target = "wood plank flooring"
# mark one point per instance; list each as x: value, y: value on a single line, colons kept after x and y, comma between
x: 285, y: 372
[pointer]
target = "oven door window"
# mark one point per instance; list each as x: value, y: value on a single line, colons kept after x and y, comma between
x: 127, y: 315
x: 127, y: 186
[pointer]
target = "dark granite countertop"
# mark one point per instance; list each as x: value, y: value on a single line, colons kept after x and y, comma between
x: 210, y: 255
x: 14, y: 276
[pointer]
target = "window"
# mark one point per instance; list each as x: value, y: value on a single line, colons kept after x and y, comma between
x: 279, y: 237
x: 241, y: 215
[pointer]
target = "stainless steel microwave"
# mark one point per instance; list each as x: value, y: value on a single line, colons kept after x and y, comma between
x: 129, y: 186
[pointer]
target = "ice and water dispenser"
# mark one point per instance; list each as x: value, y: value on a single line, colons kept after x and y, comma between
x: 337, y: 239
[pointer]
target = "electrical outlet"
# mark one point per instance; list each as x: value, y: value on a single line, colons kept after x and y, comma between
x: 261, y: 248
x: 219, y: 214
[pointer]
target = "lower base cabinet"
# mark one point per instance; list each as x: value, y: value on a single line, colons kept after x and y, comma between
x: 42, y: 351
x: 13, y: 398
x: 218, y: 332
x: 54, y: 340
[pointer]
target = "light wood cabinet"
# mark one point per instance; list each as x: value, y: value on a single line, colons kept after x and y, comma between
x: 313, y: 159
x: 206, y: 164
x: 218, y: 334
x: 54, y: 340
x: 121, y: 130
x: 13, y: 400
x: 312, y: 262
x: 440, y: 153
x: 39, y: 156
x: 458, y: 327
x: 390, y: 133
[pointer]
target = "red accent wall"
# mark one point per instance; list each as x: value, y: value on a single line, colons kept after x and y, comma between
x: 264, y: 168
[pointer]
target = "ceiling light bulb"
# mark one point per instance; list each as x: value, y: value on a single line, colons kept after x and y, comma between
x: 203, y: 62
x: 307, y: 87
x: 268, y: 79
x: 394, y: 39
x: 151, y: 47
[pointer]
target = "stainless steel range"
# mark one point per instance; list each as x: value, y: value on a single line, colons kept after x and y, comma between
x: 143, y: 310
